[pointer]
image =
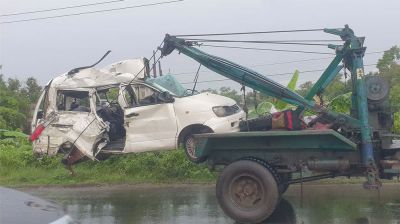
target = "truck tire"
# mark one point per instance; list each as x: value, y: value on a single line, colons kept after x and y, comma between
x: 247, y: 191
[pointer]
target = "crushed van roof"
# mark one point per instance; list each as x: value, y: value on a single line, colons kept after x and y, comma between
x: 123, y: 71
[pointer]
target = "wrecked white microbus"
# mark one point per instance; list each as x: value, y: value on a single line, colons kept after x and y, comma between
x: 95, y: 112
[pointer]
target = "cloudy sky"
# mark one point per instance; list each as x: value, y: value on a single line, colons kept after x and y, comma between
x: 47, y: 48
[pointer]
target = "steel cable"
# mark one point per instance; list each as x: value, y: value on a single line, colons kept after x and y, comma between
x: 246, y: 33
x: 267, y: 49
x: 260, y: 41
x: 254, y: 42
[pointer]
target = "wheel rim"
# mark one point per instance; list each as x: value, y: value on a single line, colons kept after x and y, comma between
x: 246, y: 192
x: 191, y: 147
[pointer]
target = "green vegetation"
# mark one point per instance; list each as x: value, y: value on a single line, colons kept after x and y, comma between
x: 16, y: 101
x: 280, y: 105
x: 18, y: 167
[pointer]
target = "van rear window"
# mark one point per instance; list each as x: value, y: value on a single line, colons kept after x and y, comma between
x: 73, y: 101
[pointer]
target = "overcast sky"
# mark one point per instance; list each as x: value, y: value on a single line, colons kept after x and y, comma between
x: 47, y: 48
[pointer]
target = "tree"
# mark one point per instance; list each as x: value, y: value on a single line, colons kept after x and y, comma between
x: 13, y: 85
x: 390, y: 69
x: 388, y: 62
x: 2, y: 82
x: 304, y: 88
x: 231, y: 93
x: 32, y: 89
x: 11, y: 119
x: 209, y: 90
x: 336, y: 87
x: 15, y: 102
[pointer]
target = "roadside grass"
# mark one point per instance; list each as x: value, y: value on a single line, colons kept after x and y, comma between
x: 18, y: 167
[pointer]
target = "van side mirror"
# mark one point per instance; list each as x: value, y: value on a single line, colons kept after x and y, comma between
x: 39, y: 115
x: 166, y: 97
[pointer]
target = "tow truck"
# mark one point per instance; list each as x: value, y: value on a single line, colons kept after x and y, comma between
x: 260, y: 165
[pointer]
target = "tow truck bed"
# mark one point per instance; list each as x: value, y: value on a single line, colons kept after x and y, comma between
x: 224, y: 148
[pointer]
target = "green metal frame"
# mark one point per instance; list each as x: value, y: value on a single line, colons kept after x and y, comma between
x: 350, y: 53
x: 274, y: 141
x: 353, y: 52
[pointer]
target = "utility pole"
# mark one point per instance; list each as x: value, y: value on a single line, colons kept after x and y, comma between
x: 159, y: 68
x: 154, y: 65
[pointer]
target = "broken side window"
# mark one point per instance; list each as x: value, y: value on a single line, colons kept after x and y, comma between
x: 107, y: 96
x: 142, y: 95
x: 129, y: 96
x: 139, y: 95
x: 68, y: 100
x: 108, y: 108
x: 145, y: 94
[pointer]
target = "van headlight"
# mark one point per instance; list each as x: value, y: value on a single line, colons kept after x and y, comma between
x: 223, y: 111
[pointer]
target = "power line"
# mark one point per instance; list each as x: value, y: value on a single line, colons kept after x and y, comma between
x: 303, y: 60
x: 277, y: 74
x: 215, y: 80
x: 259, y: 65
x: 290, y: 62
x: 246, y: 33
x: 91, y: 12
x: 266, y: 49
x: 60, y: 8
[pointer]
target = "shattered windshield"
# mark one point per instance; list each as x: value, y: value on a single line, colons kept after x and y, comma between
x: 170, y: 84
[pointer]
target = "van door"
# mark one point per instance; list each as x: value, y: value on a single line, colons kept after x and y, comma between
x: 150, y: 122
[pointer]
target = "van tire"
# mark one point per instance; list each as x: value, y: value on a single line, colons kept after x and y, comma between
x: 247, y: 191
x: 189, y: 148
x: 186, y: 140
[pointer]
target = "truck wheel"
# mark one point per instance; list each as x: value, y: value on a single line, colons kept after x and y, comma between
x: 190, y: 149
x: 247, y: 191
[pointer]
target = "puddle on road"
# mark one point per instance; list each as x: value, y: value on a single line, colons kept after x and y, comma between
x: 197, y: 204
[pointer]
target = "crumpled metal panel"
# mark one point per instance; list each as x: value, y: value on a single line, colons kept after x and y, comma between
x: 124, y: 71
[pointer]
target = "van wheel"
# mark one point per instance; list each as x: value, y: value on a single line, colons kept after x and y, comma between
x: 247, y: 191
x: 189, y: 146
